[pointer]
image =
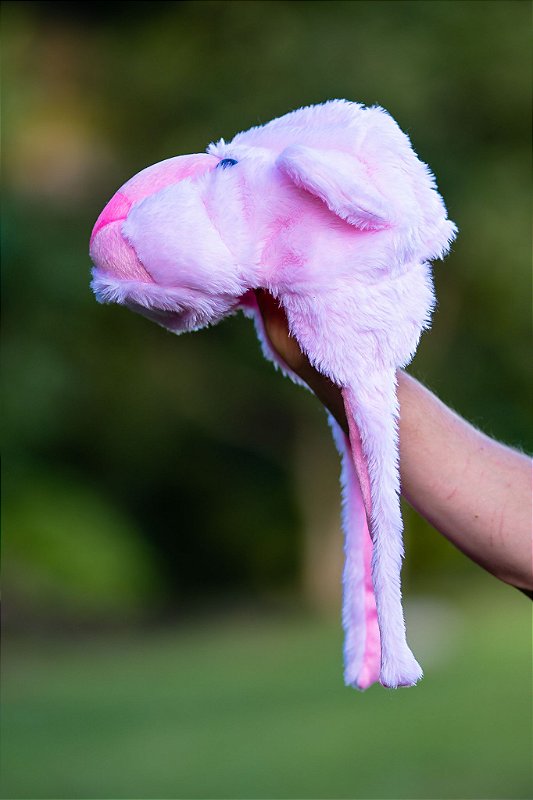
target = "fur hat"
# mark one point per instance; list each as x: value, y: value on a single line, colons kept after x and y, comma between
x: 330, y: 210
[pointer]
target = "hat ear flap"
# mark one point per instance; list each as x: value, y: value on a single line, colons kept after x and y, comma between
x: 373, y: 522
x: 341, y: 181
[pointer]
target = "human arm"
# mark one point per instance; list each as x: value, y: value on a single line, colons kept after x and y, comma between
x: 474, y: 490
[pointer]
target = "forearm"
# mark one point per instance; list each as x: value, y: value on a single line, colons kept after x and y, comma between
x: 473, y: 490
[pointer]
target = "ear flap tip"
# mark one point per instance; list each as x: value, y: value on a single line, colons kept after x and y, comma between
x: 408, y: 675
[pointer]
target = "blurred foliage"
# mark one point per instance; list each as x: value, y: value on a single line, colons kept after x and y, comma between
x: 73, y: 550
x: 133, y: 454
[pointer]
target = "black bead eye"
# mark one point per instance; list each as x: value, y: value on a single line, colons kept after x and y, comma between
x: 226, y: 162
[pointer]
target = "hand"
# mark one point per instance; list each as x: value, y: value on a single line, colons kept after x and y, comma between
x: 277, y: 330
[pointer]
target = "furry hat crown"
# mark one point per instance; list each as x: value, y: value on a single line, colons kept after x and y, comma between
x: 330, y: 210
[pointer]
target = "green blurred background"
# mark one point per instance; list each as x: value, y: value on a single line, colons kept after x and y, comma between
x: 172, y: 547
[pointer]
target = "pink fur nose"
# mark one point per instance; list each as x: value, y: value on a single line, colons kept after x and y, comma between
x: 109, y: 250
x: 115, y: 210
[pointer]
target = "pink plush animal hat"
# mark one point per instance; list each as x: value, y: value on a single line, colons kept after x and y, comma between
x: 331, y: 211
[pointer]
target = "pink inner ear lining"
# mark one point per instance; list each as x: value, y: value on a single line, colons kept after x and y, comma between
x: 358, y: 457
x: 371, y: 661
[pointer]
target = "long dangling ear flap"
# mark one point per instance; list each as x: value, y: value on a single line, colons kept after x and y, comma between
x: 372, y: 520
x: 341, y: 181
x: 372, y: 412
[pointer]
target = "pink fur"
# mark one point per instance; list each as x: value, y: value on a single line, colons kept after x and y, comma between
x: 117, y: 209
x: 329, y: 209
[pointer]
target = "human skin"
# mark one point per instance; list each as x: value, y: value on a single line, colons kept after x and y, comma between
x: 472, y: 489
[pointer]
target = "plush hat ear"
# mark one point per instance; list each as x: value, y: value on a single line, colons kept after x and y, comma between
x: 341, y: 181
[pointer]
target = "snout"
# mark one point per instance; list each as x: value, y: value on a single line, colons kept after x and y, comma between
x: 182, y: 277
x: 109, y: 251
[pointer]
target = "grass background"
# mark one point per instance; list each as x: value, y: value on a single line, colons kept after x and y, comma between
x: 254, y: 707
